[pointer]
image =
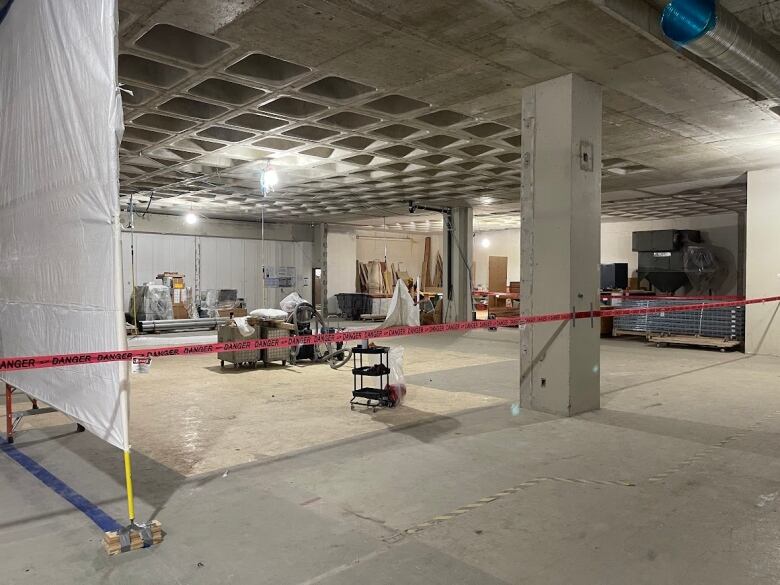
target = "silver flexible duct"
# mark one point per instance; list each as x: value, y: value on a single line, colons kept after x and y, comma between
x: 727, y: 44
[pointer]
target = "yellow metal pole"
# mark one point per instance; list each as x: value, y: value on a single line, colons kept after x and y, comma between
x: 129, y: 483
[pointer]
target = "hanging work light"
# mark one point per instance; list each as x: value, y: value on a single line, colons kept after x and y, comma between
x: 268, y: 180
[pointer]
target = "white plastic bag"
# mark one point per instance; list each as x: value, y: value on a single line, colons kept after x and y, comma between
x: 291, y: 301
x: 396, y: 383
x: 244, y: 328
x: 269, y: 314
x: 402, y: 310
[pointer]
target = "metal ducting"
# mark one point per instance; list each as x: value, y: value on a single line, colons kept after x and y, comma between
x: 707, y: 30
x: 168, y: 325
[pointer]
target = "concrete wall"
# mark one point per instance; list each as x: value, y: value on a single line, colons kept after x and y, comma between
x: 763, y: 262
x: 342, y: 255
x: 405, y: 250
x: 719, y: 230
x: 231, y: 254
x: 221, y: 228
x: 224, y: 263
x: 500, y: 243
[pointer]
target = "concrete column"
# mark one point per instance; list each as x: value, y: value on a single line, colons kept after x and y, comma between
x: 762, y: 271
x: 560, y: 244
x: 320, y: 260
x: 741, y: 251
x: 457, y: 258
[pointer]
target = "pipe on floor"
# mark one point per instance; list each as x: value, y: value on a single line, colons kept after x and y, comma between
x: 166, y: 325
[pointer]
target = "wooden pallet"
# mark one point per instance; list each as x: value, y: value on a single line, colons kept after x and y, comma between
x: 712, y: 342
x: 622, y: 333
x: 112, y: 544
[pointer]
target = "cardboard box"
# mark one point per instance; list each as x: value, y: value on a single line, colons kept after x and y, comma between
x: 179, y: 296
x: 239, y: 312
x: 180, y: 311
x: 172, y: 279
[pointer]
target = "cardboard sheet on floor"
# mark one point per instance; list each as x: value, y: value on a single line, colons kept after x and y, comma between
x: 60, y: 289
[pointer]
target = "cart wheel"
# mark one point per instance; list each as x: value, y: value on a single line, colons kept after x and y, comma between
x: 284, y: 362
x: 235, y: 366
x: 375, y: 409
x: 9, y: 440
x: 352, y: 407
x: 80, y: 428
x: 658, y: 345
x: 222, y: 364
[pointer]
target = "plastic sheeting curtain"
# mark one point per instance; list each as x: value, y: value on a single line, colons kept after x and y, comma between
x: 60, y: 283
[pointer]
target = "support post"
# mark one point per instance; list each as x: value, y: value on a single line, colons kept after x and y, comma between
x: 320, y: 260
x: 129, y: 486
x: 457, y: 258
x: 560, y: 243
x: 762, y: 270
x: 9, y: 413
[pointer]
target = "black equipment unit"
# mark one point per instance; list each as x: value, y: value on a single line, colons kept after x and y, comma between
x: 662, y: 257
x: 614, y: 276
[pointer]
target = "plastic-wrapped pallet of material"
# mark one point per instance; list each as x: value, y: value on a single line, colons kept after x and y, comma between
x: 154, y: 302
x: 208, y: 303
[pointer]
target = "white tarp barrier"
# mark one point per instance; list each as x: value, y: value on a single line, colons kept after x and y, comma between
x: 402, y: 310
x: 60, y: 116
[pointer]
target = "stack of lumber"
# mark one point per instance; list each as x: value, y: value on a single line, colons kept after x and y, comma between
x: 378, y: 279
x: 113, y: 546
x: 514, y: 287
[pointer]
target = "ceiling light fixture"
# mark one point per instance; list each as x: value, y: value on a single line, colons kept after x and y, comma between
x: 191, y: 218
x: 485, y: 243
x: 269, y: 179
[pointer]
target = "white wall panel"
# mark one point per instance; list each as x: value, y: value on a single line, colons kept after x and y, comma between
x: 224, y: 263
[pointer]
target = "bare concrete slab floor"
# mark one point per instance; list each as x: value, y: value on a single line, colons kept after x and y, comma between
x: 268, y: 477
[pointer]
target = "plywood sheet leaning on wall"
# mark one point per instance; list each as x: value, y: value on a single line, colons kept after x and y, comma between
x: 438, y: 275
x: 497, y: 271
x: 375, y: 278
x: 426, y: 264
x: 497, y: 275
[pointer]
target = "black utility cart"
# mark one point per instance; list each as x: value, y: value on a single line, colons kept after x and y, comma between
x: 376, y: 394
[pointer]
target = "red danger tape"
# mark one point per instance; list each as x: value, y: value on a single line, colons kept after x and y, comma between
x: 97, y: 357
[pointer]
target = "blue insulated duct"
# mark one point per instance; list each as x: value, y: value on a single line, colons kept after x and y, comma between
x: 684, y: 21
x: 708, y: 31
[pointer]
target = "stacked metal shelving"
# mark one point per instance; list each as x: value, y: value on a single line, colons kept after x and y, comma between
x: 721, y: 322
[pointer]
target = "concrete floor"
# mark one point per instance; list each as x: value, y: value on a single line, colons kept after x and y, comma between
x: 674, y: 480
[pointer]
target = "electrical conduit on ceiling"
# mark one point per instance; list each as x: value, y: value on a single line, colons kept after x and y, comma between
x: 712, y: 33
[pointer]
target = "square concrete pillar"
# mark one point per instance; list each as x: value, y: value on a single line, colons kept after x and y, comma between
x: 457, y: 257
x: 320, y: 260
x: 560, y: 244
x: 762, y: 270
